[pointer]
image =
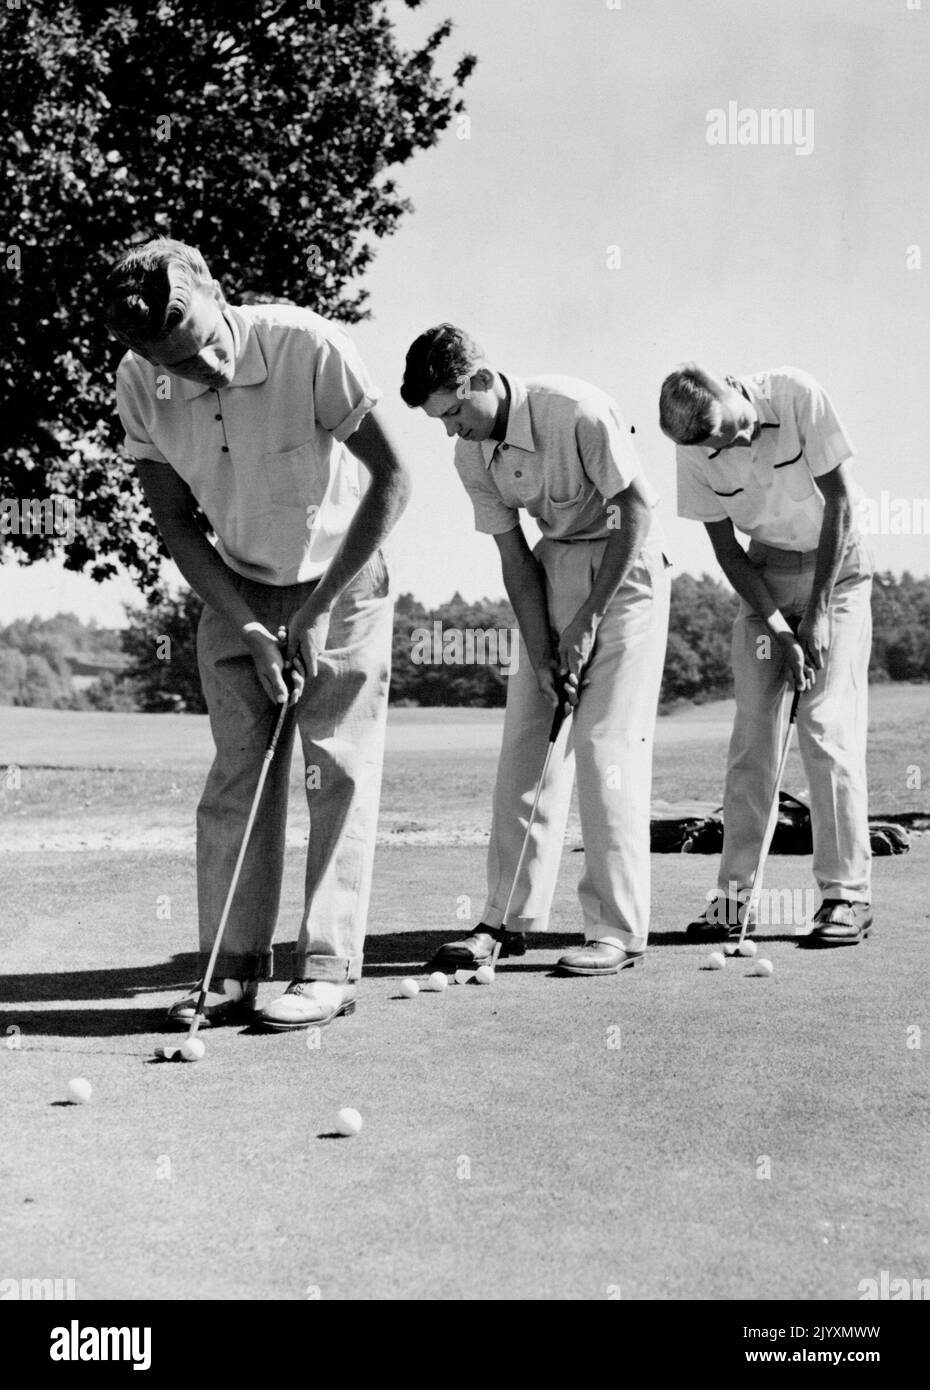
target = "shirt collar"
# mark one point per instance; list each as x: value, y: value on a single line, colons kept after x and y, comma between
x: 519, y: 424
x: 251, y: 367
x: 759, y: 400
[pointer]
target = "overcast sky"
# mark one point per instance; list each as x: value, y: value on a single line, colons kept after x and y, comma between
x: 589, y: 126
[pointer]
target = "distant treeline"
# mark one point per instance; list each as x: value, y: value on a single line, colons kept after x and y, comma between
x: 456, y: 654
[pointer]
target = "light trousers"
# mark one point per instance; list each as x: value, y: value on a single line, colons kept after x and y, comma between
x: 608, y: 742
x: 832, y: 727
x: 341, y: 718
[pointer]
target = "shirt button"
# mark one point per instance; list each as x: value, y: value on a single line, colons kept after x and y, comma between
x: 505, y: 446
x: 224, y: 449
x: 217, y: 417
x: 518, y: 474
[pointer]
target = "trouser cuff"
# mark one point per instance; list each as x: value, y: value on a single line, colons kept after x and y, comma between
x: 336, y: 970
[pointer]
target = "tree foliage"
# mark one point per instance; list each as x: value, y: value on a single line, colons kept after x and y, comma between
x: 153, y: 662
x: 38, y: 657
x: 265, y: 133
x: 161, y: 644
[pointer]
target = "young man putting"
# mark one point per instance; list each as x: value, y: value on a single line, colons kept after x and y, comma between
x: 592, y: 606
x: 258, y: 414
x: 766, y: 455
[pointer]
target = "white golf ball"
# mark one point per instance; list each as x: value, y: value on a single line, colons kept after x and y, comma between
x: 438, y: 980
x: 79, y: 1091
x: 191, y: 1050
x: 409, y: 989
x: 348, y: 1122
x: 748, y: 948
x: 763, y: 967
x: 715, y: 961
x: 484, y: 975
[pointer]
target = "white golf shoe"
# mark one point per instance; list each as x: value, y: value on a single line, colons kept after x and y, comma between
x: 308, y: 1004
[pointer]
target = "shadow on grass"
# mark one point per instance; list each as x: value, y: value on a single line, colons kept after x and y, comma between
x: 388, y: 956
x: 124, y: 982
x: 81, y: 1023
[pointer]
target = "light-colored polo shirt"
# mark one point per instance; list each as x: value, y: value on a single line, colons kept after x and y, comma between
x: 566, y: 452
x: 768, y: 490
x: 264, y: 456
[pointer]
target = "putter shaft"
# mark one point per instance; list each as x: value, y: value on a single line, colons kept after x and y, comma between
x: 558, y: 719
x: 234, y: 881
x: 772, y: 820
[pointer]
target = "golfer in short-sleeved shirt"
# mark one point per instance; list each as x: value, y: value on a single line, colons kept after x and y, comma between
x: 592, y: 604
x: 766, y: 456
x: 260, y: 415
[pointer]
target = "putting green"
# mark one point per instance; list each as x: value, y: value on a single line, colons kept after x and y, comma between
x: 668, y: 1133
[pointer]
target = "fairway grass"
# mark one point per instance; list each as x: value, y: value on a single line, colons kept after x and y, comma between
x: 128, y: 782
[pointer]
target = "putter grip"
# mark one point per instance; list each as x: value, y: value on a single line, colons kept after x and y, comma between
x: 559, y: 717
x: 794, y: 707
x: 287, y: 670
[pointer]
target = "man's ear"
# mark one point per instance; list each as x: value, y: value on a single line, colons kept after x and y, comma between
x: 482, y: 380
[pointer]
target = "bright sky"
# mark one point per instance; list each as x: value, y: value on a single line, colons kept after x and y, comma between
x: 588, y: 131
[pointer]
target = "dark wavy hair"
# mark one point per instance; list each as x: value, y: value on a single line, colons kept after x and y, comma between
x: 441, y: 359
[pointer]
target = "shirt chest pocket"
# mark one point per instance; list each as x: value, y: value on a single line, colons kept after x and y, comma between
x: 293, y: 477
x: 566, y: 502
x: 795, y: 477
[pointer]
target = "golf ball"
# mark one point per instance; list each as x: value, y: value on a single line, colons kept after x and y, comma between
x: 763, y: 967
x: 715, y: 961
x: 409, y: 989
x: 748, y: 948
x: 484, y: 975
x: 79, y: 1091
x: 438, y: 980
x: 349, y: 1122
x: 191, y: 1050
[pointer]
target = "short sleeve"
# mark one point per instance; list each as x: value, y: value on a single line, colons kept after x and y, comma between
x: 696, y: 498
x: 823, y: 437
x: 604, y: 447
x: 492, y: 515
x: 129, y: 397
x: 343, y: 393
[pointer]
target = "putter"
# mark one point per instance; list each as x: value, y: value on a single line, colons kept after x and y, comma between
x: 234, y: 883
x: 558, y: 719
x: 772, y: 822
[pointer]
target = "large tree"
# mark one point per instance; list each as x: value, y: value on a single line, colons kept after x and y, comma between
x: 264, y: 133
